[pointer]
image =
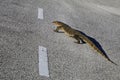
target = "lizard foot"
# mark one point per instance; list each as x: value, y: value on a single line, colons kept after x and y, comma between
x: 77, y: 42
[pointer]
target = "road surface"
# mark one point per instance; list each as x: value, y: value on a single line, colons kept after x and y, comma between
x: 22, y: 32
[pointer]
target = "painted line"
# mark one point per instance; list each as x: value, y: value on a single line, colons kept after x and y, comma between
x: 110, y: 9
x: 40, y: 13
x: 43, y: 62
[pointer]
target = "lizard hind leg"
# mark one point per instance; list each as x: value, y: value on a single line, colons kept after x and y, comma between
x: 79, y: 40
x: 82, y: 41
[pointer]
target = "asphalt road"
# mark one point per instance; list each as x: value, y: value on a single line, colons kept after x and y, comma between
x: 21, y: 32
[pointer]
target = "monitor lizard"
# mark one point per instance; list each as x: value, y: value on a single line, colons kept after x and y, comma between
x: 78, y: 36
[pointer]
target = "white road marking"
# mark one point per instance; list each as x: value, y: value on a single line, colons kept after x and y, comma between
x: 110, y: 9
x: 40, y: 13
x: 43, y: 62
x: 103, y: 8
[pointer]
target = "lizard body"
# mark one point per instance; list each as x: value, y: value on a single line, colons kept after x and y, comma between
x: 78, y: 36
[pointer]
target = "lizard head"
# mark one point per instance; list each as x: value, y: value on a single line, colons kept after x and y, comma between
x: 57, y: 23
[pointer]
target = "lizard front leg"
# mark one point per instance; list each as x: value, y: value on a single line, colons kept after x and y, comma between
x: 58, y: 30
x: 55, y: 30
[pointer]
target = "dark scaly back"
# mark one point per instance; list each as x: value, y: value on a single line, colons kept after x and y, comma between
x: 60, y: 23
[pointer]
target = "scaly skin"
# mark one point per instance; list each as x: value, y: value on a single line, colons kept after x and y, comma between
x: 78, y: 36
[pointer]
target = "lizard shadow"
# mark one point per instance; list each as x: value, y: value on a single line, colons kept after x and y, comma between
x: 97, y: 44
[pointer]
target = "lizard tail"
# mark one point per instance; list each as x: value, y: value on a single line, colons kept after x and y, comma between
x: 96, y: 48
x: 111, y: 61
x: 102, y: 53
